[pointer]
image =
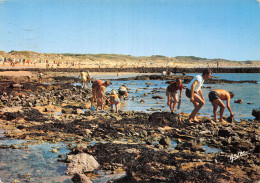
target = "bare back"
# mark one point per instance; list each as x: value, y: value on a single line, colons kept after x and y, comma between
x: 101, y: 91
x: 223, y: 94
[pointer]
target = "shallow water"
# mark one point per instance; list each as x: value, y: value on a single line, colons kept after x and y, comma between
x: 210, y: 149
x: 38, y: 164
x: 249, y: 92
x: 35, y: 164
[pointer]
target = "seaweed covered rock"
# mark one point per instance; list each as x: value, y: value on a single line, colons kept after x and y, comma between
x: 225, y: 132
x: 165, y: 118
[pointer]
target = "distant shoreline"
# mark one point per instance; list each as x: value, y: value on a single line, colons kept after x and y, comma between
x: 142, y: 70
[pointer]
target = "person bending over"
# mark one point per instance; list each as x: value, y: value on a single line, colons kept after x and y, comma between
x: 100, y: 94
x: 216, y: 97
x: 122, y: 91
x: 96, y: 85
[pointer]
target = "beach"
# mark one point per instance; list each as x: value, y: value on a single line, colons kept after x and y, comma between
x: 143, y: 142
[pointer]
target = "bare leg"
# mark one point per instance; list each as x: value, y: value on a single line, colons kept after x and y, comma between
x: 198, y: 103
x: 101, y: 104
x: 175, y: 101
x: 216, y: 103
x: 97, y: 107
x: 195, y: 104
x: 171, y: 105
x: 93, y: 96
x: 116, y: 108
x: 222, y: 108
x: 215, y: 108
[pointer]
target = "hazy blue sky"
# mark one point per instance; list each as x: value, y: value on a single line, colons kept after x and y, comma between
x: 228, y: 29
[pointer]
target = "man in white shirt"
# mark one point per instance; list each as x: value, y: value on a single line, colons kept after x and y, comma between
x: 193, y: 88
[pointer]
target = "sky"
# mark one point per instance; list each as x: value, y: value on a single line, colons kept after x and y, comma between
x: 226, y: 29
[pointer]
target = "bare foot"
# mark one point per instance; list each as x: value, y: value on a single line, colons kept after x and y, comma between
x: 195, y: 119
x: 190, y: 121
x: 213, y: 122
x: 225, y: 123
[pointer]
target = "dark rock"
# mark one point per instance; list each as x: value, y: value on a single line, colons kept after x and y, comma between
x: 145, y: 94
x: 164, y: 118
x: 165, y: 141
x: 185, y: 145
x: 245, y: 146
x: 60, y: 156
x: 5, y: 146
x: 242, y: 134
x: 186, y: 80
x: 255, y: 138
x: 29, y: 104
x: 149, y: 142
x: 230, y: 119
x: 142, y: 101
x: 257, y: 148
x: 16, y: 86
x: 157, y: 97
x: 256, y: 113
x: 239, y: 101
x: 14, y: 146
x: 67, y: 110
x: 235, y: 140
x: 10, y: 115
x: 225, y: 132
x: 20, y: 127
x: 80, y: 178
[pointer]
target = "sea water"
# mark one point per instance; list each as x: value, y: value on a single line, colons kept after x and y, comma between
x: 145, y: 89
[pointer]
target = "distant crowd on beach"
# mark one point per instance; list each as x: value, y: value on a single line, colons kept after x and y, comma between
x: 27, y: 62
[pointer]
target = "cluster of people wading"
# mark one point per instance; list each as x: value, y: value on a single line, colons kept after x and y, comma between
x: 193, y: 92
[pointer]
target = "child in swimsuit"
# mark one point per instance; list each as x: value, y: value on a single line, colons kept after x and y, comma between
x: 114, y: 100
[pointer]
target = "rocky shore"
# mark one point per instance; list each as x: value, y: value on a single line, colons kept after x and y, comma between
x: 138, y: 143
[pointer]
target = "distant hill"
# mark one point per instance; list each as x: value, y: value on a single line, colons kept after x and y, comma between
x: 119, y: 59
